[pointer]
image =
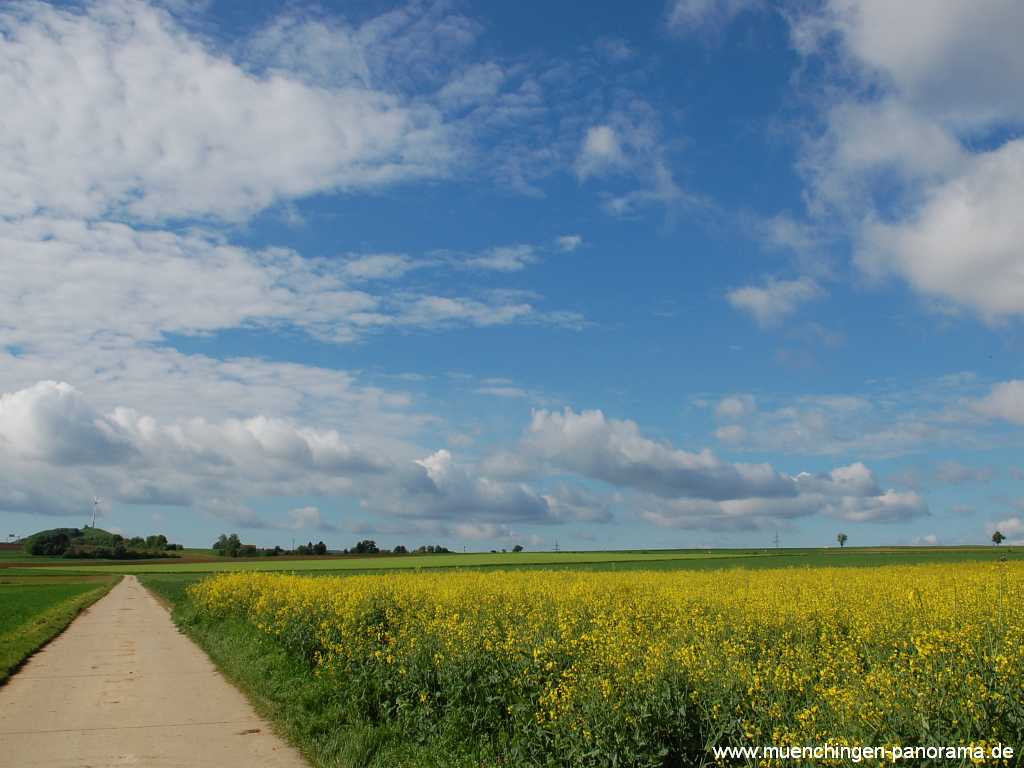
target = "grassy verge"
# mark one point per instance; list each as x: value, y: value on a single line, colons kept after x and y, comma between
x: 304, y: 708
x: 33, y: 610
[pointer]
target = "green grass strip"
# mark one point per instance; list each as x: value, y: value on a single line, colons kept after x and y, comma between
x: 22, y: 641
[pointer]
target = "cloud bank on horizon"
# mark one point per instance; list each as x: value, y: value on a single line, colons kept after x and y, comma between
x: 433, y: 273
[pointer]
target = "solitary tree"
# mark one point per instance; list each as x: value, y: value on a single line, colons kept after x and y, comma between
x: 841, y: 538
x: 998, y: 538
x: 517, y: 548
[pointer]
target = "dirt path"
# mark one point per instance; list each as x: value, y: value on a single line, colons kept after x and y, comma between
x: 123, y: 687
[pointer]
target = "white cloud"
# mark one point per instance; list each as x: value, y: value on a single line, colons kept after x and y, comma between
x: 916, y: 156
x: 889, y: 507
x: 775, y: 300
x: 509, y: 258
x: 52, y: 438
x: 627, y: 145
x: 57, y: 451
x: 964, y: 242
x: 601, y: 152
x: 478, y: 84
x: 1005, y: 401
x: 569, y: 243
x: 51, y: 422
x: 881, y: 423
x: 689, y: 15
x: 576, y: 505
x: 117, y: 109
x: 446, y: 489
x: 735, y: 407
x: 855, y: 480
x: 142, y: 284
x: 309, y: 517
x: 767, y: 513
x: 958, y: 62
x: 866, y: 143
x: 615, y: 452
x: 378, y: 266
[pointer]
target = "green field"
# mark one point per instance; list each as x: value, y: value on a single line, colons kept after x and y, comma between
x: 646, y: 559
x: 34, y: 608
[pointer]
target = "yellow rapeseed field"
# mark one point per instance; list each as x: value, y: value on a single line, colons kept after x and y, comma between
x: 653, y: 668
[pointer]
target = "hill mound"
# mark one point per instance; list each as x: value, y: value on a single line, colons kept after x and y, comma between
x: 91, y: 542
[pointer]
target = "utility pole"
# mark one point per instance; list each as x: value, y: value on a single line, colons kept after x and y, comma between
x: 556, y: 545
x: 776, y: 538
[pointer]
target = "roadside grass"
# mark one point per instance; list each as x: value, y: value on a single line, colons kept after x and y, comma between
x: 33, y: 609
x: 304, y: 708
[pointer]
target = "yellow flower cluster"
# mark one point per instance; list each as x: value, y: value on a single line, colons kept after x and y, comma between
x: 649, y: 668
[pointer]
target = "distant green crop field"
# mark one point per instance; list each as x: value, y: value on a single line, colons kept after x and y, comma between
x: 598, y: 560
x: 408, y: 561
x: 18, y: 557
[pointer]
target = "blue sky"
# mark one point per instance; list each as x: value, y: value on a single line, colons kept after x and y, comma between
x: 688, y: 274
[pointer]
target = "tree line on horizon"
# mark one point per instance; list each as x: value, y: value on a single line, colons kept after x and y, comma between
x: 230, y: 545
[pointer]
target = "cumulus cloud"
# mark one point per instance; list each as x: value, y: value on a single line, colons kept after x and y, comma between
x: 441, y: 488
x: 1005, y: 402
x: 116, y: 109
x: 776, y: 300
x: 52, y: 438
x: 675, y: 488
x: 57, y: 450
x: 614, y: 451
x: 959, y: 67
x: 899, y: 157
x: 855, y: 480
x: 963, y: 243
x: 51, y: 422
x: 846, y: 493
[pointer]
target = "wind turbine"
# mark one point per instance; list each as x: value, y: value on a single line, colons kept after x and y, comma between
x: 95, y: 506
